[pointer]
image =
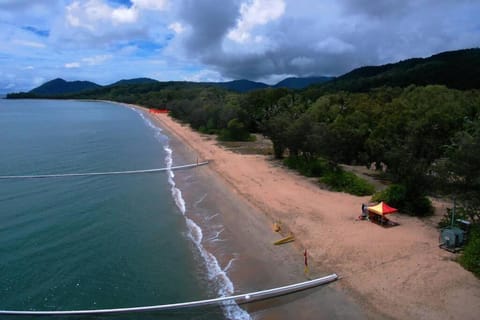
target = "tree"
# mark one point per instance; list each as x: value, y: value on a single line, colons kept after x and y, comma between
x: 276, y: 129
x: 235, y: 131
x: 463, y: 169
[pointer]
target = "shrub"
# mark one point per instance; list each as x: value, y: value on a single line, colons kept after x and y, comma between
x: 340, y: 180
x: 396, y: 195
x: 333, y: 176
x: 235, y: 131
x: 419, y: 206
x: 470, y: 259
x: 308, y: 167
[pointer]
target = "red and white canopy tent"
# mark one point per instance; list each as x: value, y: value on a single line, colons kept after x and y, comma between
x: 382, y: 209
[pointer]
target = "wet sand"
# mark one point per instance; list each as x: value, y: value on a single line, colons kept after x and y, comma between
x: 393, y: 273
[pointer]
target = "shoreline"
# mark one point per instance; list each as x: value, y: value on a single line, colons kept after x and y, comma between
x: 241, y: 239
x: 401, y: 267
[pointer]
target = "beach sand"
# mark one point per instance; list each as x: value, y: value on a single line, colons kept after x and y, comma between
x: 387, y: 273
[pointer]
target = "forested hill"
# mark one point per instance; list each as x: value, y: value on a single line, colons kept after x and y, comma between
x: 300, y: 83
x: 125, y: 82
x: 241, y: 86
x: 454, y: 69
x: 59, y: 86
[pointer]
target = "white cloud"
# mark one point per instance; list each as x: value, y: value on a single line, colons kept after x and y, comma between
x: 87, y: 14
x: 91, y: 61
x: 150, y: 4
x: 254, y: 13
x: 95, y: 14
x: 27, y: 43
x: 92, y: 14
x: 205, y: 75
x: 128, y: 50
x: 124, y: 15
x: 72, y: 65
x: 96, y: 60
x: 177, y: 27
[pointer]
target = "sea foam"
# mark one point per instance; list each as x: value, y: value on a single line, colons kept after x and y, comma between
x: 217, y: 275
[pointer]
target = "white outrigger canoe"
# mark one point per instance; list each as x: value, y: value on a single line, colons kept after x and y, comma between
x: 239, y: 299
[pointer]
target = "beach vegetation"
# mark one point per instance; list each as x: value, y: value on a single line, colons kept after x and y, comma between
x: 330, y: 174
x: 235, y: 131
x: 394, y: 195
x: 344, y: 181
x: 308, y: 167
x: 399, y: 197
x: 470, y: 259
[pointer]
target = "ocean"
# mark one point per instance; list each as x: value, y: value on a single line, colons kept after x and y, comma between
x: 97, y: 242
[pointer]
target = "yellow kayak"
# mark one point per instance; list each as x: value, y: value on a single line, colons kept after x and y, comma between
x: 288, y: 239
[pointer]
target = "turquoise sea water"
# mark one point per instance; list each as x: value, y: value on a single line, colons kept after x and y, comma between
x: 93, y: 242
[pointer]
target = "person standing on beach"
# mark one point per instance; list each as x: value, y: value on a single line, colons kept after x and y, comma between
x: 364, y: 215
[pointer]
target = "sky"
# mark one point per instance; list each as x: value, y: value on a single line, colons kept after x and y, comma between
x: 220, y: 40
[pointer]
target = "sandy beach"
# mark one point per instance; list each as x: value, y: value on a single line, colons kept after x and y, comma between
x: 387, y: 273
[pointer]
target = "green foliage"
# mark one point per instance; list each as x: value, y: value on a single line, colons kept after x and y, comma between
x: 235, y: 131
x: 331, y: 175
x: 395, y: 195
x: 418, y: 206
x: 399, y: 197
x: 275, y: 129
x: 461, y: 171
x: 340, y: 180
x: 470, y: 258
x: 308, y: 167
x: 455, y: 69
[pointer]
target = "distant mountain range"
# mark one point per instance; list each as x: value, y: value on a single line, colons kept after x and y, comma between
x: 61, y: 87
x: 455, y: 69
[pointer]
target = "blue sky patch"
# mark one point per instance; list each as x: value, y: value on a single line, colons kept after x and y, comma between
x: 38, y: 32
x: 126, y: 3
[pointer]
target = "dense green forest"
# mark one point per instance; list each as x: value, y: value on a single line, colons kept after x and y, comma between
x: 417, y: 121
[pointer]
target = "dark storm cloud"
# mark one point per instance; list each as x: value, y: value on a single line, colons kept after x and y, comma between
x: 376, y: 8
x: 209, y: 20
x: 289, y: 61
x: 330, y: 37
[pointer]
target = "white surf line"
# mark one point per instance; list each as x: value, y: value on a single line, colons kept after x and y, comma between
x: 110, y: 173
x: 240, y: 299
